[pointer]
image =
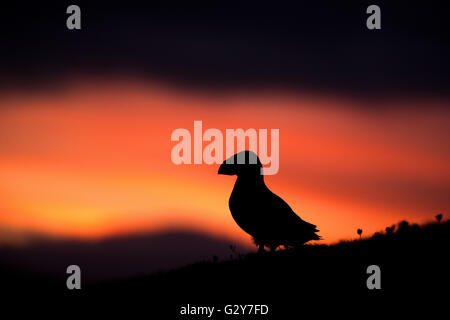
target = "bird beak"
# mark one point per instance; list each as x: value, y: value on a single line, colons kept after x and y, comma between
x: 225, y: 169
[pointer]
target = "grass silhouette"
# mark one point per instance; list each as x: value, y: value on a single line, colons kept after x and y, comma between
x: 412, y: 258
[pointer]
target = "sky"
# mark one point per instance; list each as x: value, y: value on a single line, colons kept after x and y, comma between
x: 94, y: 159
x: 86, y: 116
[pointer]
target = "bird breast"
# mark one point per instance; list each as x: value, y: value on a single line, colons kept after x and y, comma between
x: 244, y: 205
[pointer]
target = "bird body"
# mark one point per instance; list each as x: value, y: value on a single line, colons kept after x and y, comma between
x: 261, y: 213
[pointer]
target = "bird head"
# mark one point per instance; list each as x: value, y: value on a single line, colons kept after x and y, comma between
x: 242, y: 163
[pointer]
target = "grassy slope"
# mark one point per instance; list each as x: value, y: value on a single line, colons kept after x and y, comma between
x: 413, y: 262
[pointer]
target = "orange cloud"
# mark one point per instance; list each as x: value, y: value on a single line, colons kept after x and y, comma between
x: 94, y: 160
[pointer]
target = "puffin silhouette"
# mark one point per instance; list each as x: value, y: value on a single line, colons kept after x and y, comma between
x: 260, y: 212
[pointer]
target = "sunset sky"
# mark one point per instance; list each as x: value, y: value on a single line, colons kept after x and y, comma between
x: 92, y: 159
x: 86, y: 116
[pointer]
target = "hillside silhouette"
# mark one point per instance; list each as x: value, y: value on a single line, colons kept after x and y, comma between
x: 412, y: 258
x: 113, y: 257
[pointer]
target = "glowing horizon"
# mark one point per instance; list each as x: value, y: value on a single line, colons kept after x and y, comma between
x: 93, y: 160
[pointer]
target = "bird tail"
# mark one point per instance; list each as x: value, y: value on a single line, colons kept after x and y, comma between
x: 315, y: 236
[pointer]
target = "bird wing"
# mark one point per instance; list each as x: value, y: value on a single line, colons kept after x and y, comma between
x: 281, y: 215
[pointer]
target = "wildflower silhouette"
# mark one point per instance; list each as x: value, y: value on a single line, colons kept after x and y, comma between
x: 439, y: 217
x: 391, y: 229
x: 359, y: 231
